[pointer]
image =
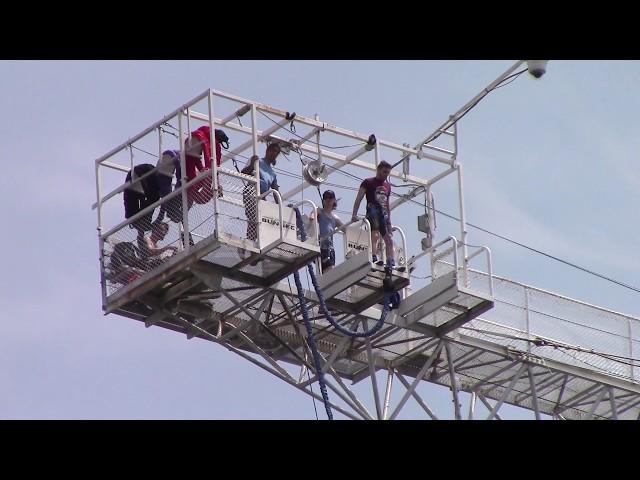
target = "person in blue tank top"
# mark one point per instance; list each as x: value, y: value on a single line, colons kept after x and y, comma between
x: 268, y: 180
x: 328, y: 221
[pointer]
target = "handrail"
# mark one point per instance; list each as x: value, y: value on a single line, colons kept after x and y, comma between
x: 278, y: 197
x: 433, y: 247
x: 489, y: 268
x: 487, y: 251
x: 125, y: 186
x: 315, y: 215
x: 367, y: 226
x: 157, y: 203
x: 404, y: 242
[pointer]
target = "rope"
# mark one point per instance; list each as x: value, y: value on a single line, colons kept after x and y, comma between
x: 312, y: 344
x: 323, y: 308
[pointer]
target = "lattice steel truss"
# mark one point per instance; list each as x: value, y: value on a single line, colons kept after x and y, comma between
x: 467, y: 330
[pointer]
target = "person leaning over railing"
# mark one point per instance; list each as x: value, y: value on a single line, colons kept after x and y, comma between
x: 140, y: 195
x: 196, y: 146
x: 169, y: 164
x: 148, y: 246
x: 155, y: 185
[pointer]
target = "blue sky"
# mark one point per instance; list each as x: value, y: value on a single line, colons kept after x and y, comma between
x: 551, y: 163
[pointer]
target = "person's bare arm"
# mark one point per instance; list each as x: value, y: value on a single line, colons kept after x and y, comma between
x: 250, y: 167
x: 154, y: 250
x: 356, y: 205
x: 193, y: 147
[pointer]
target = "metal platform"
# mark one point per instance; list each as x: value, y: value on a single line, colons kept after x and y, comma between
x: 514, y: 344
x: 237, y: 233
x: 357, y: 283
x: 477, y: 359
x: 442, y: 306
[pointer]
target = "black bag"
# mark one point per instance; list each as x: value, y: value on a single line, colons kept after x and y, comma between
x: 222, y: 139
x: 124, y: 253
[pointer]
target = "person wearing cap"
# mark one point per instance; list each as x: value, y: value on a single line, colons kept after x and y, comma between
x: 196, y: 146
x: 328, y: 221
x: 199, y: 145
x: 268, y: 180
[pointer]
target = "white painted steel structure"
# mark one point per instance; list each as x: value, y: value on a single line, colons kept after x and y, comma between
x: 493, y: 338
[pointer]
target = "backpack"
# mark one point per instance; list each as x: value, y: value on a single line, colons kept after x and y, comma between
x: 124, y: 253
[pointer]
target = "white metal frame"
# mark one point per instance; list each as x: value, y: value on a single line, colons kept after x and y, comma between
x: 486, y: 370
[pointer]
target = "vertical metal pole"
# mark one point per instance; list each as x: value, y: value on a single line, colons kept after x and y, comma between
x: 214, y: 163
x: 534, y: 394
x: 256, y: 173
x: 454, y: 383
x: 472, y: 405
x: 380, y: 248
x: 463, y: 217
x: 317, y: 118
x: 131, y: 159
x: 402, y: 159
x: 463, y: 226
x: 188, y: 142
x: 189, y: 123
x: 433, y: 237
x: 103, y: 285
x: 159, y: 144
x: 612, y: 400
x: 317, y: 261
x: 99, y: 196
x: 526, y: 318
x: 596, y: 403
x: 374, y: 383
x: 455, y: 140
x: 303, y: 369
x: 186, y: 233
x: 630, y: 347
x: 387, y: 394
x: 254, y: 129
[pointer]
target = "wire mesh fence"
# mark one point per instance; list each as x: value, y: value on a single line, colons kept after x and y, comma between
x: 155, y: 234
x: 559, y: 328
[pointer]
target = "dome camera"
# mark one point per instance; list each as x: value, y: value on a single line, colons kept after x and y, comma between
x: 537, y: 68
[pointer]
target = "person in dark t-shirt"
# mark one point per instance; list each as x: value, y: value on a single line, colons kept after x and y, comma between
x: 377, y: 190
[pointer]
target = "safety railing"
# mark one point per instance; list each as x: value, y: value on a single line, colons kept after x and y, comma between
x: 355, y: 241
x: 475, y: 253
x: 401, y: 249
x: 142, y: 244
x: 446, y: 260
x: 278, y: 197
x: 311, y: 228
x: 553, y: 326
x: 220, y: 201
